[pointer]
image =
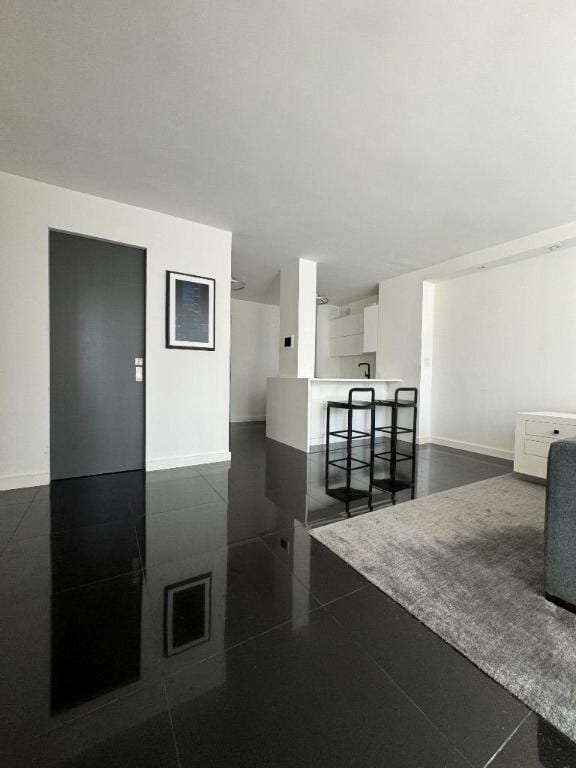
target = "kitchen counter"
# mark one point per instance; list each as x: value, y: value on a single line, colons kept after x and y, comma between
x: 296, y: 408
x: 363, y: 379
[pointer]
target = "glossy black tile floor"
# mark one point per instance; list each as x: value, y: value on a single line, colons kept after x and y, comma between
x: 186, y: 618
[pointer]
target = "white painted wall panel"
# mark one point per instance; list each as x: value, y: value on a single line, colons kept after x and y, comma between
x: 187, y: 392
x: 254, y: 357
x: 503, y: 342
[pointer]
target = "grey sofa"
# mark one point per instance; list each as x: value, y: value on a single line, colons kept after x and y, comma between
x: 560, y: 541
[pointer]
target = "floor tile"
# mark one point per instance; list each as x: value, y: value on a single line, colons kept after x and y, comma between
x: 250, y: 592
x: 36, y: 521
x: 90, y: 500
x: 17, y: 496
x: 191, y: 630
x: 246, y: 475
x: 250, y: 514
x: 25, y: 571
x: 327, y: 576
x: 261, y: 593
x: 178, y: 493
x: 215, y: 467
x: 206, y: 579
x: 11, y: 516
x: 43, y: 492
x: 64, y: 511
x: 66, y: 655
x: 219, y: 480
x: 462, y: 701
x: 135, y: 731
x: 181, y: 533
x: 298, y: 696
x: 93, y: 552
x: 96, y: 640
x: 536, y: 744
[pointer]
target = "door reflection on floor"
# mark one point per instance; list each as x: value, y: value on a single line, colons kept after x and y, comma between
x: 96, y: 603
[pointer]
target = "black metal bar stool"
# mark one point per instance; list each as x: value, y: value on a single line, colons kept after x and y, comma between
x: 349, y: 463
x: 394, y: 457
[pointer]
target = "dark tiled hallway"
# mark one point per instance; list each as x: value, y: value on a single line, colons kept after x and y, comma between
x: 186, y: 618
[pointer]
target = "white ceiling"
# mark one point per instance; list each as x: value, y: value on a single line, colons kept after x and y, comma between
x: 374, y: 136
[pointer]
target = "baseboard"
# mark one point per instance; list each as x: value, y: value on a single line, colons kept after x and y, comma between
x: 242, y: 419
x: 10, y: 482
x: 462, y: 445
x: 172, y: 462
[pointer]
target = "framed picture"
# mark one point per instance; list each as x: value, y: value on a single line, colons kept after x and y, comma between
x: 190, y: 311
x: 187, y: 614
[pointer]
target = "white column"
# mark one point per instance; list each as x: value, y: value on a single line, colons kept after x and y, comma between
x: 298, y: 319
x: 405, y: 339
x: 426, y: 365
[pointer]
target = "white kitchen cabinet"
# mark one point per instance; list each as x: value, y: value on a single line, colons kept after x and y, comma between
x: 343, y: 346
x: 370, y: 341
x: 535, y: 433
x: 348, y: 325
x: 347, y: 335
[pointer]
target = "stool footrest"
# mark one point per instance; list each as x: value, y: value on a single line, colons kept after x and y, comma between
x: 390, y: 430
x: 387, y: 456
x: 391, y: 486
x: 363, y: 405
x: 346, y: 494
x: 354, y: 433
x: 396, y: 403
x: 359, y: 464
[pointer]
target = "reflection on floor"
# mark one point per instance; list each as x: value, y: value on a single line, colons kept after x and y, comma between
x: 187, y: 618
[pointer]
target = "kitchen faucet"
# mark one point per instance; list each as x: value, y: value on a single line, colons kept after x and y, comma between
x: 367, y: 372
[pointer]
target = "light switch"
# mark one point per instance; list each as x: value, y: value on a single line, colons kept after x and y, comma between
x: 139, y: 373
x: 138, y: 361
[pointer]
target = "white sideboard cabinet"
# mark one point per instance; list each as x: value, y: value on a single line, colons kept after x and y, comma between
x: 535, y: 432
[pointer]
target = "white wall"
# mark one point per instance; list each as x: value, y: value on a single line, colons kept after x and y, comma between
x: 400, y: 347
x: 187, y: 392
x: 401, y: 298
x: 405, y: 311
x: 504, y: 341
x: 288, y: 360
x: 400, y: 329
x: 427, y: 362
x: 253, y: 357
x: 287, y: 411
x: 298, y: 318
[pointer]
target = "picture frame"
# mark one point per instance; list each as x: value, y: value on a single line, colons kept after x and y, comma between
x: 190, y: 311
x: 187, y: 614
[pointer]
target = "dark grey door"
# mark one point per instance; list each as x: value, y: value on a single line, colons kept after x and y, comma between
x: 97, y: 336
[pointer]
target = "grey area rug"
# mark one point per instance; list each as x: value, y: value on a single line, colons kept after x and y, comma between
x: 469, y: 564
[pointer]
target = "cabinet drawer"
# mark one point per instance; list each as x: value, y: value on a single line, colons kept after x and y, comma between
x: 537, y: 448
x: 346, y: 345
x: 348, y: 325
x: 550, y: 429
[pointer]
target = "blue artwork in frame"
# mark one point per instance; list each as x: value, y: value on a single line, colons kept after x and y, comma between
x: 190, y: 311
